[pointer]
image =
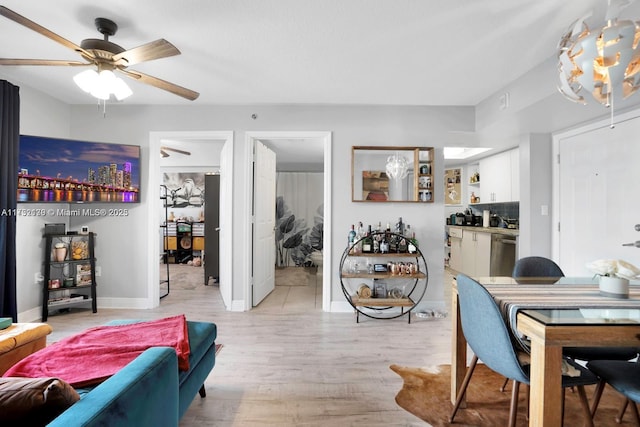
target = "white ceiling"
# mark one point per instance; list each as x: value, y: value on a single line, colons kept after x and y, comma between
x: 380, y: 52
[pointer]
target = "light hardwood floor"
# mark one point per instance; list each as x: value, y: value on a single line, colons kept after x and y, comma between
x: 288, y: 363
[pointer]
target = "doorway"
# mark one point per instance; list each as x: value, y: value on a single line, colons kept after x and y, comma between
x: 295, y: 151
x: 216, y: 148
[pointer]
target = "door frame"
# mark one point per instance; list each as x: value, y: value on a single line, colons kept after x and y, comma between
x: 326, y: 138
x: 155, y: 140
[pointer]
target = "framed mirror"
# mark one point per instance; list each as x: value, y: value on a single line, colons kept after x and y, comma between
x: 392, y: 174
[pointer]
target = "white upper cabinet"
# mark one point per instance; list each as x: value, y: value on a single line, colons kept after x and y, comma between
x: 500, y: 177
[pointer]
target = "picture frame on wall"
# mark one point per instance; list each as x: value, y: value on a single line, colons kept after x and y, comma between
x: 453, y: 186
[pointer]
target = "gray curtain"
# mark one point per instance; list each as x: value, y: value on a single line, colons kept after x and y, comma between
x: 9, y: 139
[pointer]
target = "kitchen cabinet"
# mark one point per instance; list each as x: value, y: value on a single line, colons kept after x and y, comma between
x: 455, y: 257
x: 475, y: 253
x: 500, y: 176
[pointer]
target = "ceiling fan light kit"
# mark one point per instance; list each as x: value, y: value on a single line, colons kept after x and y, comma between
x: 107, y: 57
x: 103, y: 84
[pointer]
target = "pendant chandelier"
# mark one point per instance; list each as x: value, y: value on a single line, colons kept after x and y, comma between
x: 397, y: 167
x: 604, y: 62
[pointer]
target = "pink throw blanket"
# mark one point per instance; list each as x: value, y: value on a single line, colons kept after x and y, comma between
x: 92, y: 356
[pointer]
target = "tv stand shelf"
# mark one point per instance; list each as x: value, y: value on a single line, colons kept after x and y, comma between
x: 69, y: 273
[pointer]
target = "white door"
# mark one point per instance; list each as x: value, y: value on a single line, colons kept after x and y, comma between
x: 226, y: 223
x: 264, y: 222
x: 598, y: 197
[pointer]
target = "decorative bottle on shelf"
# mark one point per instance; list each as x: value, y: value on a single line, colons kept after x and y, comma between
x: 402, y: 245
x: 391, y: 240
x: 377, y: 238
x: 352, y: 236
x: 400, y: 226
x: 384, y: 240
x: 412, y: 247
x: 367, y: 242
x: 359, y: 235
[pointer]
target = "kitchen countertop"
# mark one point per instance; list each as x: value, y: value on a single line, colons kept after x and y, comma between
x: 493, y: 230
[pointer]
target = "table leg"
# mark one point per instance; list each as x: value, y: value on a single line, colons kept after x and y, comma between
x: 546, y: 384
x: 458, y: 351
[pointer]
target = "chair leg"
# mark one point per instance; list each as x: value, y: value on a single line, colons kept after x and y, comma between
x: 563, y: 396
x: 528, y: 387
x: 634, y: 411
x: 513, y: 410
x: 623, y: 408
x: 463, y: 386
x: 504, y: 385
x: 596, y: 397
x: 585, y: 406
x: 202, y: 391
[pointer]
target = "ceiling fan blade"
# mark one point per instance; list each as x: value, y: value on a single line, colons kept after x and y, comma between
x: 11, y: 61
x: 10, y: 14
x: 147, y: 52
x: 161, y: 84
x: 163, y: 148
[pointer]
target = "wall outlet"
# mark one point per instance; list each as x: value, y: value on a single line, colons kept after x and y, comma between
x: 38, y: 277
x: 98, y: 270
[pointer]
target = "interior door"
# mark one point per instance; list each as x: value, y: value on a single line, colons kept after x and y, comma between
x: 212, y: 228
x: 598, y: 191
x: 226, y: 223
x: 264, y: 222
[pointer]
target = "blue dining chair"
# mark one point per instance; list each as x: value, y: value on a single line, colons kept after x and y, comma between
x: 536, y: 266
x: 623, y: 376
x: 490, y: 340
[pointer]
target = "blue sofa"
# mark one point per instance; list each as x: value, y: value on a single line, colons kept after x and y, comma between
x: 149, y: 391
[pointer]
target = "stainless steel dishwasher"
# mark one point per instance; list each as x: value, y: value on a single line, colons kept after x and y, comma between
x: 503, y: 254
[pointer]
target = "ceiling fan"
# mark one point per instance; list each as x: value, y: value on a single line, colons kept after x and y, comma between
x: 164, y: 149
x: 104, y: 54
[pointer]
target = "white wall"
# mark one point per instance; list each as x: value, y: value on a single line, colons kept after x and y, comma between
x: 39, y: 115
x: 420, y: 126
x: 535, y: 195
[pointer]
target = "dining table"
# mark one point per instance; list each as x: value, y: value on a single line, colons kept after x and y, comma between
x: 544, y: 315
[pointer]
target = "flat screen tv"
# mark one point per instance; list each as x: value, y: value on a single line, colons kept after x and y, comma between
x: 68, y: 171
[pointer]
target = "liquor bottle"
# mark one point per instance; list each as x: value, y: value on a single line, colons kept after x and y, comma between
x: 359, y: 237
x: 384, y: 244
x: 402, y: 245
x: 352, y: 236
x: 377, y: 238
x: 400, y: 227
x: 367, y: 242
x: 391, y: 240
x: 413, y: 244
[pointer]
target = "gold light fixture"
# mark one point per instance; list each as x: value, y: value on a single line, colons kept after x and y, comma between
x: 604, y: 62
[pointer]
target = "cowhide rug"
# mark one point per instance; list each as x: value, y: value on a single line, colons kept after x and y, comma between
x: 426, y: 394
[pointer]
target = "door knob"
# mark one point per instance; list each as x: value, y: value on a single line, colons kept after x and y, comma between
x: 637, y: 227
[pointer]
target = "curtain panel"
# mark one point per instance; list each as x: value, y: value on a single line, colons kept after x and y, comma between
x: 299, y: 217
x: 9, y: 140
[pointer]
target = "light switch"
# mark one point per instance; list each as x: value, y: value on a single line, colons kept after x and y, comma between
x: 544, y: 210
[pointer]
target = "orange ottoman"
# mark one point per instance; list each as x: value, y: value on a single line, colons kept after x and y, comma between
x: 20, y: 340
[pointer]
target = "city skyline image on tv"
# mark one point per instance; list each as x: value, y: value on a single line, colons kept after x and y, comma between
x: 62, y: 170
